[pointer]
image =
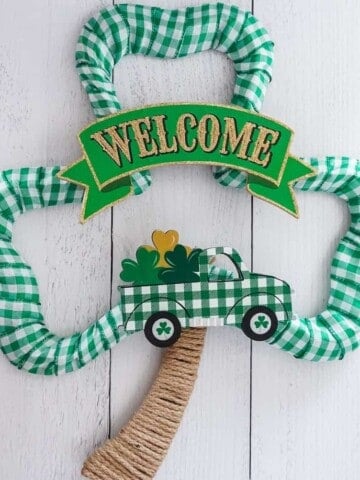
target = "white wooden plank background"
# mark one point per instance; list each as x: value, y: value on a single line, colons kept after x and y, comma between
x: 255, y: 412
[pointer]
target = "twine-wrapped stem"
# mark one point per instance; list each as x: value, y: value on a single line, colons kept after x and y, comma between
x: 140, y: 447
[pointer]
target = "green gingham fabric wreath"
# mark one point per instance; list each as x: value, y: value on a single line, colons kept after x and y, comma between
x: 124, y: 29
x: 28, y: 344
x: 137, y: 29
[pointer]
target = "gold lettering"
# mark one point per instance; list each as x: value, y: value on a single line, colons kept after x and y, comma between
x: 117, y: 144
x: 235, y: 140
x: 143, y: 138
x: 164, y: 147
x: 213, y: 133
x: 265, y: 140
x: 181, y: 131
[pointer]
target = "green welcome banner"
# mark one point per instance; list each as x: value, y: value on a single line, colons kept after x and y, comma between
x: 203, y: 134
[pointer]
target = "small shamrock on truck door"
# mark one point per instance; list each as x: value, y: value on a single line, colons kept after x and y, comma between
x: 186, y: 290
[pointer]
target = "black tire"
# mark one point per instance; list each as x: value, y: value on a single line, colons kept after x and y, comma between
x: 167, y: 317
x: 247, y: 326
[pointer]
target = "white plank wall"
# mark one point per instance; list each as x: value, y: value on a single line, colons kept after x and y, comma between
x: 256, y: 412
x: 305, y: 417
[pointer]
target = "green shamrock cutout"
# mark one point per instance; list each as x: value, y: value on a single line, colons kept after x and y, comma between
x: 163, y: 328
x: 183, y: 267
x: 143, y: 271
x: 261, y: 322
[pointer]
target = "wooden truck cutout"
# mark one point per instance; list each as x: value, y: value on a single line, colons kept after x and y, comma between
x: 256, y: 303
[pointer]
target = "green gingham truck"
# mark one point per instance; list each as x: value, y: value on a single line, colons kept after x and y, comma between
x: 256, y: 303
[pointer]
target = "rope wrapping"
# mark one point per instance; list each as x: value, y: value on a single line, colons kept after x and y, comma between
x: 139, y: 448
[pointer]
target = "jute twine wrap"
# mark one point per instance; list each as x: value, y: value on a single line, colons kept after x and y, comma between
x: 140, y: 447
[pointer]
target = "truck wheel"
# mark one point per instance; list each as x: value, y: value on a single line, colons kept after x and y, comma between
x: 162, y: 329
x: 259, y: 323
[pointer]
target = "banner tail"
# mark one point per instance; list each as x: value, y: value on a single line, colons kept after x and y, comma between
x: 94, y: 200
x: 282, y: 196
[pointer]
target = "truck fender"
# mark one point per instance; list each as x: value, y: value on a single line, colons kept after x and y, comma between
x: 138, y: 317
x: 235, y: 315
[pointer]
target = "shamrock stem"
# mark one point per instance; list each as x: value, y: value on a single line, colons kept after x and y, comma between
x: 140, y: 447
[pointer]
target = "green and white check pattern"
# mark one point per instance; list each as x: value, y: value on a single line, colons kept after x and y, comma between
x: 332, y: 333
x: 137, y: 29
x: 28, y: 344
x: 207, y: 303
x: 24, y: 338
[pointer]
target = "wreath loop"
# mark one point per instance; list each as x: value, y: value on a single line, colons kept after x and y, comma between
x: 28, y: 344
x: 137, y: 29
x: 24, y: 338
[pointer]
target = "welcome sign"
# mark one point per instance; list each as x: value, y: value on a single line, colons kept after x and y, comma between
x: 203, y: 134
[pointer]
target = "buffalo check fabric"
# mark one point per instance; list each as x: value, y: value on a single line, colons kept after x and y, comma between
x: 138, y: 29
x: 332, y: 333
x: 24, y: 338
x: 28, y: 344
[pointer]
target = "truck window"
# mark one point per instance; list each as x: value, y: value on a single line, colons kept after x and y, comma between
x: 222, y: 268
